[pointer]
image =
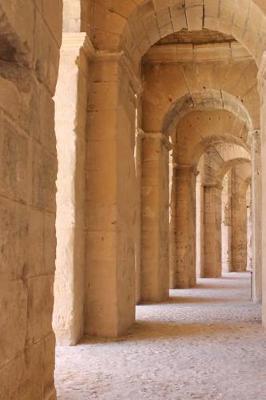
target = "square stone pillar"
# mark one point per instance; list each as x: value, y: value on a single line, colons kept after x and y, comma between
x: 256, y: 216
x: 239, y: 225
x: 155, y: 218
x: 262, y: 91
x: 183, y: 268
x: 70, y: 119
x: 227, y: 223
x: 199, y: 224
x: 172, y: 222
x: 212, y: 231
x: 111, y: 197
x: 138, y: 164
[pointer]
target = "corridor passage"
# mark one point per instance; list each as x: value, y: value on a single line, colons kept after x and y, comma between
x: 205, y: 343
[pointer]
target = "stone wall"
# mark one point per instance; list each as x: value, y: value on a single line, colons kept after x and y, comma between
x: 30, y: 35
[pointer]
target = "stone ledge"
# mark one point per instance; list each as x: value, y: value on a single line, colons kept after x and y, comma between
x: 197, y: 53
x: 156, y: 136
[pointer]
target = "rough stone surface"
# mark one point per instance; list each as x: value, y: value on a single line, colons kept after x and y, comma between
x: 30, y: 34
x: 113, y: 205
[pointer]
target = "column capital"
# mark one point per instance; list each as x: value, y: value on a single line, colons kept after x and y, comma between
x: 185, y: 167
x: 74, y: 41
x: 123, y: 60
x: 156, y: 136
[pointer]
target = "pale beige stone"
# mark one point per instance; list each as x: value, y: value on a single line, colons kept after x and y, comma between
x: 130, y: 102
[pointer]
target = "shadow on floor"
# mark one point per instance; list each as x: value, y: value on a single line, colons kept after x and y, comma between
x: 219, y: 286
x: 149, y: 330
x: 182, y: 300
x: 205, y: 300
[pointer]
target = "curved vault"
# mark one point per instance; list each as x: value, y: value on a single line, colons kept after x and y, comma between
x: 229, y: 148
x: 236, y: 162
x: 134, y: 28
x: 205, y: 100
x: 198, y: 130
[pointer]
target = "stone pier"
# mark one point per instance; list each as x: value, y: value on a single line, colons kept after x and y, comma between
x: 183, y: 268
x: 155, y: 218
x: 212, y: 231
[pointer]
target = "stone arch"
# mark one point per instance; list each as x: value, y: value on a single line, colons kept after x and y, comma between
x: 222, y: 141
x: 205, y: 100
x: 229, y: 164
x: 167, y: 83
x: 141, y: 26
x: 198, y: 130
x: 217, y: 160
x: 234, y: 176
x: 183, y: 226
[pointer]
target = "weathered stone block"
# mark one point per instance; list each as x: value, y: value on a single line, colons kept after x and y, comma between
x: 13, y: 239
x: 40, y: 307
x: 14, y: 171
x: 13, y: 322
x: 44, y: 169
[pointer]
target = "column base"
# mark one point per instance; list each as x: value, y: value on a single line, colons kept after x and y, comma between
x: 183, y: 286
x: 154, y: 299
x: 211, y: 276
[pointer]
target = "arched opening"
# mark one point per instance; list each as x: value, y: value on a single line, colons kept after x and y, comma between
x: 232, y: 105
x: 182, y: 62
x: 236, y: 229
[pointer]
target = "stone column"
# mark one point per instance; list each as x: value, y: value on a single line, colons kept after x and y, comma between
x: 239, y: 225
x: 249, y: 231
x: 199, y: 226
x: 155, y: 218
x: 172, y: 223
x: 256, y: 214
x: 226, y: 224
x: 70, y: 119
x: 262, y: 91
x: 138, y: 166
x: 212, y: 231
x: 111, y: 197
x: 183, y: 270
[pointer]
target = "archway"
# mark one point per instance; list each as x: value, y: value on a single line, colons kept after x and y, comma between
x: 121, y: 35
x: 210, y: 99
x: 114, y: 58
x: 194, y: 136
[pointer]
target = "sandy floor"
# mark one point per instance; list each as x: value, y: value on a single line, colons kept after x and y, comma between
x: 206, y: 343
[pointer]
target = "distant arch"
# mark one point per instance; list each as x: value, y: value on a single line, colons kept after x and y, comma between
x: 205, y: 100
